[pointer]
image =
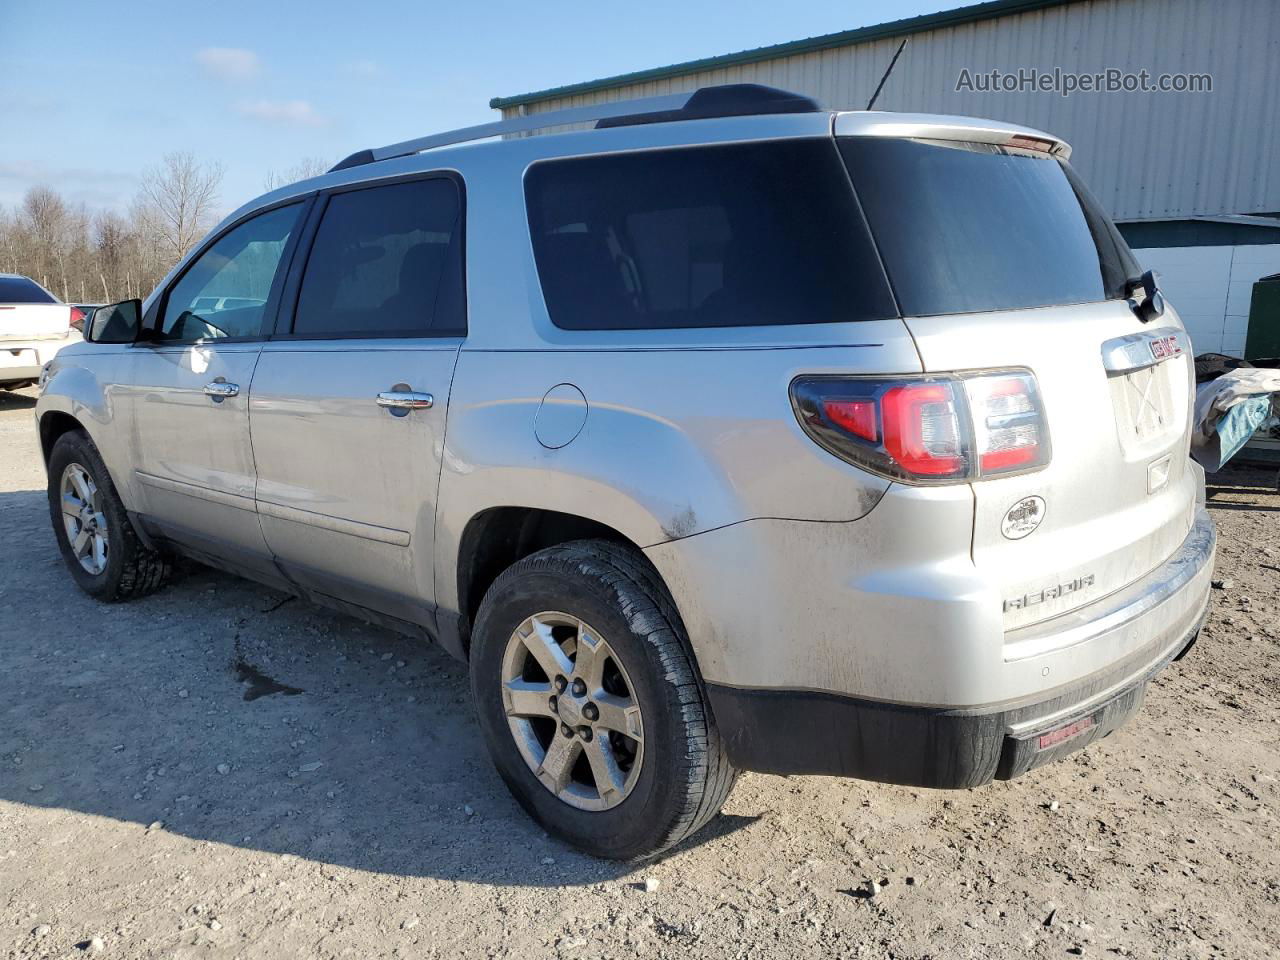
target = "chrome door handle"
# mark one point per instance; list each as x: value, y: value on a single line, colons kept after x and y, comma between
x: 405, y: 400
x: 219, y: 390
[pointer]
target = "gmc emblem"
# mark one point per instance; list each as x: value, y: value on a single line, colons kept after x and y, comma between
x: 1162, y: 348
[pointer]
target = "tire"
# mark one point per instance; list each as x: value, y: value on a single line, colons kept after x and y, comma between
x: 131, y: 569
x: 678, y: 775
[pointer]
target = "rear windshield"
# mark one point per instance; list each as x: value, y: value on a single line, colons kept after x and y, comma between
x: 711, y: 236
x: 975, y: 226
x: 22, y: 290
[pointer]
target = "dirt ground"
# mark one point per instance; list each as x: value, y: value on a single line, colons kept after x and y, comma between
x: 157, y: 797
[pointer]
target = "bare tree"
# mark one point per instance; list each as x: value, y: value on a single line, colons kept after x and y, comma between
x: 304, y: 169
x: 182, y: 195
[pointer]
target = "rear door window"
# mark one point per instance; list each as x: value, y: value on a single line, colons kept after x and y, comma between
x: 967, y: 227
x: 711, y: 236
x: 386, y: 261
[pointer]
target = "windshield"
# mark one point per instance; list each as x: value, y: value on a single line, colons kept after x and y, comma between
x: 969, y: 227
x: 22, y: 290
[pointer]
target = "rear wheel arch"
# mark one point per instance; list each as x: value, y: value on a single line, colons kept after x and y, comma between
x: 498, y: 537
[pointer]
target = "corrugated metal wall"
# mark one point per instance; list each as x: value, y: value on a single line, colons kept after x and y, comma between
x: 1146, y: 155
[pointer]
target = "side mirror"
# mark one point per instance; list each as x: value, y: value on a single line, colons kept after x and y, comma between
x: 118, y: 323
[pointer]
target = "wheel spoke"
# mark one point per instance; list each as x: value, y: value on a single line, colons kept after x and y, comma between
x: 99, y: 552
x: 82, y: 539
x: 542, y: 645
x: 71, y: 505
x: 557, y: 765
x: 525, y: 699
x: 588, y: 662
x: 604, y: 767
x: 81, y: 482
x: 618, y: 713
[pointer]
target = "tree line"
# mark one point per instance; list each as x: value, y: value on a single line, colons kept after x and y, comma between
x: 106, y: 256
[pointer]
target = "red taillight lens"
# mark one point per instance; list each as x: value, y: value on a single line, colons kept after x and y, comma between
x: 77, y: 318
x: 927, y: 429
x: 922, y: 429
x: 856, y: 416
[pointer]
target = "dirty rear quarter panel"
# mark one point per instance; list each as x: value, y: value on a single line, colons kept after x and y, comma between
x: 676, y: 441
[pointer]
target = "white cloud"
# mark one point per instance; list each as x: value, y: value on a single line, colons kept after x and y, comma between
x: 230, y: 63
x: 297, y: 112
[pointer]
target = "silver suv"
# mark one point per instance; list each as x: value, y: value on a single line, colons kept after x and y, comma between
x: 731, y: 434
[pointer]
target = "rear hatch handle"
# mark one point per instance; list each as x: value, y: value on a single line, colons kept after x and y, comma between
x: 1136, y: 351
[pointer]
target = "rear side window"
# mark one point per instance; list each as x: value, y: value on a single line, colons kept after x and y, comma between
x: 967, y: 227
x: 386, y: 261
x: 22, y: 290
x: 713, y: 236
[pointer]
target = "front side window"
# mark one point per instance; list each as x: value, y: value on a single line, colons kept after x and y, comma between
x: 386, y: 261
x: 967, y: 227
x: 712, y: 236
x: 225, y: 291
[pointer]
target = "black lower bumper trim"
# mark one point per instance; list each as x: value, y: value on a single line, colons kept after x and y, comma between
x: 806, y: 732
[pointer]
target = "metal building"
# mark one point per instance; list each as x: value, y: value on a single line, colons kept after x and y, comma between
x: 1192, y: 176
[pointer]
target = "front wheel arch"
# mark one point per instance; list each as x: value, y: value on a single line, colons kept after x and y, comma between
x: 53, y: 425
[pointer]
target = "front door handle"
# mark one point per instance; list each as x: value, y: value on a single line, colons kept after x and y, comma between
x: 219, y: 390
x: 405, y: 400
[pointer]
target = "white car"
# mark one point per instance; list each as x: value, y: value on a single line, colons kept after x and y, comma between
x: 34, y: 326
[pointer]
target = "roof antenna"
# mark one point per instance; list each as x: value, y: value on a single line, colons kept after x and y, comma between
x: 892, y: 63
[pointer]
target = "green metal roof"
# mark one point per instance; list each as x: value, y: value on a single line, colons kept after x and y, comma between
x: 896, y: 28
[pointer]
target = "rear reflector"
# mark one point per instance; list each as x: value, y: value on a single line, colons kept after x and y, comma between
x: 1063, y: 734
x: 927, y: 429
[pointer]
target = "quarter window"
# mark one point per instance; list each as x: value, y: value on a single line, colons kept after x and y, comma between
x: 712, y: 236
x: 386, y: 261
x: 225, y: 291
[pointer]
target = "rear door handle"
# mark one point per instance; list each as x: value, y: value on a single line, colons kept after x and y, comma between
x: 405, y: 400
x: 219, y: 390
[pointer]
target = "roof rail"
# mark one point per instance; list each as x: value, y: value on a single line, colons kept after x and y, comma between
x: 735, y: 99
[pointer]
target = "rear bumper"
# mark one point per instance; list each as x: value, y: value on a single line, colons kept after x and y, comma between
x: 24, y: 359
x: 809, y: 732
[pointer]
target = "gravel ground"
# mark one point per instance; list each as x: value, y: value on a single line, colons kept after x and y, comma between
x: 156, y: 794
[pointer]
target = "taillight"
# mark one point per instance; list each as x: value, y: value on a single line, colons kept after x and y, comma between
x: 1008, y: 426
x: 928, y: 429
x: 77, y: 318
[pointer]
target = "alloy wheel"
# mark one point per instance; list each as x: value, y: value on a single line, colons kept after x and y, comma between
x: 572, y: 710
x: 83, y: 519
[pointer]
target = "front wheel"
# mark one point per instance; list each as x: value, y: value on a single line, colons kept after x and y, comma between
x: 102, y: 550
x: 591, y: 705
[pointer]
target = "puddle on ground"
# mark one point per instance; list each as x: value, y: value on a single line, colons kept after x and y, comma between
x: 259, y: 684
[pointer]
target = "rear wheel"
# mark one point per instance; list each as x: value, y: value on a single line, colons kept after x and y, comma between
x: 102, y: 550
x: 591, y: 705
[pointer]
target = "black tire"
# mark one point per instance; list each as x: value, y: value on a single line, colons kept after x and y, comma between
x: 685, y: 776
x: 132, y: 568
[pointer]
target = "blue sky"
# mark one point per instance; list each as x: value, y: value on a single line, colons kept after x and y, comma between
x: 92, y: 93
